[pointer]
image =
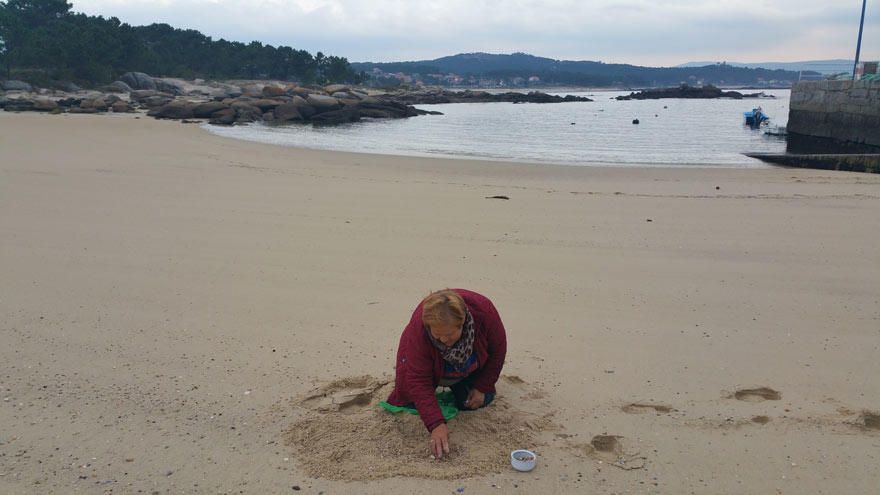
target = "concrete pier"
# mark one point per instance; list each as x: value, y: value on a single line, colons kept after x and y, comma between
x: 842, y: 111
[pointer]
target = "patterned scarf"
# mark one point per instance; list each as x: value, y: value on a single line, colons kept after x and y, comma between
x: 457, y: 354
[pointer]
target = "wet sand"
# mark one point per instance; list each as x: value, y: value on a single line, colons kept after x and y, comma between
x: 171, y: 299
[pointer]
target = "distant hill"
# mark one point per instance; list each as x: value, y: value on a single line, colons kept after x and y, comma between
x: 833, y: 66
x: 522, y: 69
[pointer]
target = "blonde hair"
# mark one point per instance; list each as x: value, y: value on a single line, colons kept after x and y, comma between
x: 445, y: 307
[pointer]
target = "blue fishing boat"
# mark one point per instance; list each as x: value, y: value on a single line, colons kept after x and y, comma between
x: 756, y: 117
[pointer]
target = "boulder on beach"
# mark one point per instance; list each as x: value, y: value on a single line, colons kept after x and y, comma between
x: 336, y: 88
x: 13, y: 85
x: 67, y: 87
x: 140, y: 94
x: 273, y: 91
x: 155, y: 101
x: 245, y: 112
x: 265, y: 104
x: 173, y: 110
x: 287, y: 112
x: 297, y: 91
x: 303, y: 106
x: 96, y: 104
x: 252, y: 90
x: 117, y: 87
x: 138, y: 80
x: 83, y: 110
x: 223, y: 117
x: 19, y: 105
x: 208, y: 109
x: 169, y: 86
x: 121, y: 107
x: 45, y: 105
x: 69, y: 102
x: 323, y: 103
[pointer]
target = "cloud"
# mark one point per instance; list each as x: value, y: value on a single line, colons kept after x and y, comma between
x: 649, y: 32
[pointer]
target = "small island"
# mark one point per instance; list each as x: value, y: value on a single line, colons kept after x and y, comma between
x: 685, y: 91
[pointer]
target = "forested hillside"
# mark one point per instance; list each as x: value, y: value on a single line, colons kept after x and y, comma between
x: 43, y: 40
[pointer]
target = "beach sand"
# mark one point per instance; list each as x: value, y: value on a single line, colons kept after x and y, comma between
x: 183, y: 313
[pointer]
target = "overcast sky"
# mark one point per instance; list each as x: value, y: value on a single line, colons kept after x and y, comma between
x: 645, y: 32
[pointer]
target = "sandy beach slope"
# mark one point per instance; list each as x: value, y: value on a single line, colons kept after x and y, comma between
x: 170, y: 300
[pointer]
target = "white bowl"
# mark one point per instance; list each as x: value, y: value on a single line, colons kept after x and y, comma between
x: 531, y: 459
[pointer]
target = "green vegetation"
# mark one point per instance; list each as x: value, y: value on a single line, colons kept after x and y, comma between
x: 43, y: 40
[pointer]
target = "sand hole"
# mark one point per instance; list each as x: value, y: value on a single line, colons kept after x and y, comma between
x: 342, y: 434
x: 757, y: 394
x: 871, y: 420
x: 610, y: 449
x: 761, y: 420
x: 606, y: 443
x: 638, y: 408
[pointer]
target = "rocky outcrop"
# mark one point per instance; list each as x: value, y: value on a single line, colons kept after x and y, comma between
x: 690, y: 92
x: 138, y: 80
x: 221, y: 103
x: 13, y: 85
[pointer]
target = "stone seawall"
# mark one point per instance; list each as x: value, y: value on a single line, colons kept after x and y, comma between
x: 843, y: 111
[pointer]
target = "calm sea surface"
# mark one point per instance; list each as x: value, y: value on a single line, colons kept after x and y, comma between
x: 671, y: 132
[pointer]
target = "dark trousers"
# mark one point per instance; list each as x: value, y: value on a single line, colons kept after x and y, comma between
x: 461, y: 390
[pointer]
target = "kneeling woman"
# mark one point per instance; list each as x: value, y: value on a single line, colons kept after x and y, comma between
x: 454, y: 339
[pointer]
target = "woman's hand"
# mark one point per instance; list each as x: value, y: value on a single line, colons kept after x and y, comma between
x: 440, y: 440
x: 475, y: 399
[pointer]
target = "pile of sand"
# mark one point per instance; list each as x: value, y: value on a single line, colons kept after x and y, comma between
x: 344, y: 435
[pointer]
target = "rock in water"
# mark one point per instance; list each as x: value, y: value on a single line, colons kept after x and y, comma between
x: 223, y: 117
x: 288, y: 112
x: 335, y: 117
x: 635, y: 121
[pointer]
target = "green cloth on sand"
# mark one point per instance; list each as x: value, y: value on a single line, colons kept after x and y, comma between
x: 445, y: 399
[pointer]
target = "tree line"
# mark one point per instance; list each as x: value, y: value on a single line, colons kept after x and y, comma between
x: 44, y: 40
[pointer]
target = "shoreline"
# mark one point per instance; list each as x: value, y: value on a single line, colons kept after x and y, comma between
x: 589, y: 164
x: 172, y: 299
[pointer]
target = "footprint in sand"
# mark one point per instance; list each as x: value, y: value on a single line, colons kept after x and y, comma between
x: 757, y: 394
x: 871, y: 420
x: 761, y: 420
x: 611, y: 449
x: 640, y: 408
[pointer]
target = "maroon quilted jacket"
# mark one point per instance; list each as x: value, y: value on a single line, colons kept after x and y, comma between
x: 420, y: 366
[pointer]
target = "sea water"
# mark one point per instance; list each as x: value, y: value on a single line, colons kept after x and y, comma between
x: 671, y: 132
